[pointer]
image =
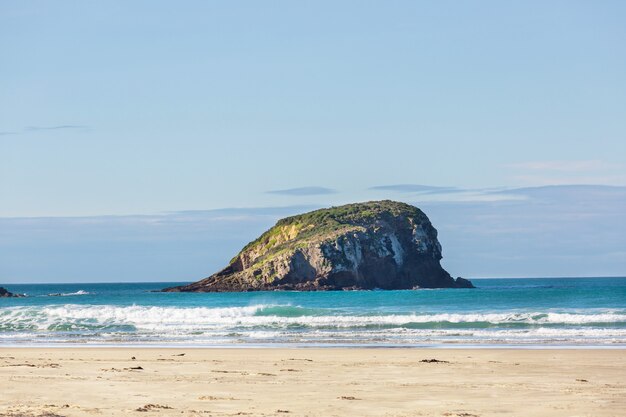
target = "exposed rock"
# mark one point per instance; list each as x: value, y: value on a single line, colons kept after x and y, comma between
x: 4, y: 293
x: 464, y: 283
x: 374, y: 245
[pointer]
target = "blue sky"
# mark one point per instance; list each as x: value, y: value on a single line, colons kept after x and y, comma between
x: 146, y: 110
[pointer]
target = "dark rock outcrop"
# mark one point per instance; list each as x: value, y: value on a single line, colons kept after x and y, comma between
x: 380, y: 244
x: 4, y: 293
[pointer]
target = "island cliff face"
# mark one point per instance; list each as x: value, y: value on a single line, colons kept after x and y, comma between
x: 379, y: 244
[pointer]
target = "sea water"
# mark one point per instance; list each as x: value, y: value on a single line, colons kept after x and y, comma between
x: 572, y: 312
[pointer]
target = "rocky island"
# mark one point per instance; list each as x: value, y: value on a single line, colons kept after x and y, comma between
x: 373, y: 245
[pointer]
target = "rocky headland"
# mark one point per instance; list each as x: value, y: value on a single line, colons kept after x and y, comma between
x: 374, y: 245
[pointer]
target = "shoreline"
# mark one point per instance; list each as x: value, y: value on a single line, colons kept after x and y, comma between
x: 252, y: 346
x: 397, y: 382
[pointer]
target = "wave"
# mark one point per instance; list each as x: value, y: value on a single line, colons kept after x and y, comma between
x: 286, y: 324
x: 188, y: 319
x: 68, y: 294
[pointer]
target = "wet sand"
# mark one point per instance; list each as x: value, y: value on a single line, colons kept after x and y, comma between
x: 311, y: 382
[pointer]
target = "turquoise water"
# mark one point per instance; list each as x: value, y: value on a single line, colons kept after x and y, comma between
x: 500, y: 312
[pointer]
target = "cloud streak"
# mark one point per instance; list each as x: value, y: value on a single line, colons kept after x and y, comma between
x: 548, y: 180
x: 58, y: 127
x: 563, y: 172
x: 303, y: 191
x: 572, y: 192
x: 29, y: 129
x: 564, y: 166
x: 417, y: 188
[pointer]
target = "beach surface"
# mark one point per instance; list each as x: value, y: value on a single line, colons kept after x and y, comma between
x: 311, y: 382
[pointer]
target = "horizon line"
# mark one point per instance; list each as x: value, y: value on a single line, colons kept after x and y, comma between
x: 182, y: 282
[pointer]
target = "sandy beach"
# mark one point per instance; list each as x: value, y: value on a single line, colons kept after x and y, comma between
x: 311, y: 382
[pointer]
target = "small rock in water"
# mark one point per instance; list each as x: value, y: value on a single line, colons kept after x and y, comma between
x: 4, y: 293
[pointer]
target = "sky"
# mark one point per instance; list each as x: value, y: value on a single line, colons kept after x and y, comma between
x: 150, y: 140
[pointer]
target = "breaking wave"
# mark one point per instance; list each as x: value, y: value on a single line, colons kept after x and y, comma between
x: 68, y: 294
x: 295, y: 324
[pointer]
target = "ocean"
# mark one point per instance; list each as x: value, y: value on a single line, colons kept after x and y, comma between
x: 550, y: 312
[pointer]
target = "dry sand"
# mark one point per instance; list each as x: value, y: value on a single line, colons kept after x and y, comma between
x: 312, y: 382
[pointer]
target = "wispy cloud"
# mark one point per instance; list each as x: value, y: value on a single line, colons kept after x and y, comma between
x: 563, y: 172
x: 59, y: 127
x: 570, y: 192
x: 564, y: 166
x: 417, y: 188
x: 547, y: 180
x: 44, y: 128
x: 446, y: 194
x: 303, y: 191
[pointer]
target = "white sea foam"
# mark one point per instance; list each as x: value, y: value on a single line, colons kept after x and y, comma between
x: 68, y: 294
x: 180, y: 319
